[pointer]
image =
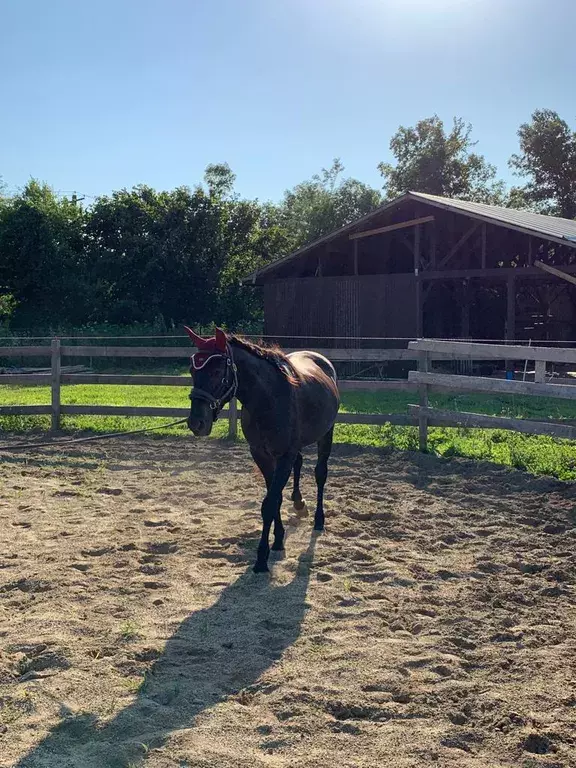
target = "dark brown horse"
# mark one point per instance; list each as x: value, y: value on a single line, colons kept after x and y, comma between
x: 288, y: 402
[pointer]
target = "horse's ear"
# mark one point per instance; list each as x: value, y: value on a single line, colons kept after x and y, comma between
x: 198, y: 341
x: 221, y: 340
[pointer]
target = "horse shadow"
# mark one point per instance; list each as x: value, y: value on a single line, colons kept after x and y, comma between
x: 214, y: 654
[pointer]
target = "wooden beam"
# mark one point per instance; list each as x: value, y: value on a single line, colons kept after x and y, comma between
x: 465, y: 310
x: 56, y: 361
x: 376, y: 386
x: 484, y: 233
x: 437, y: 417
x: 511, y: 308
x: 418, y: 282
x: 355, y: 257
x: 500, y: 273
x: 433, y: 247
x: 455, y: 248
x: 26, y: 351
x: 25, y: 410
x: 124, y: 380
x: 530, y: 251
x: 460, y: 350
x: 416, y: 249
x: 540, y: 371
x: 390, y: 227
x: 93, y: 351
x: 484, y: 384
x: 125, y: 410
x: 423, y: 368
x: 556, y: 272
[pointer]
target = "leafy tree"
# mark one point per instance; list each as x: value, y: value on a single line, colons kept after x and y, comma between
x: 324, y: 203
x: 547, y: 158
x: 177, y: 256
x: 430, y: 159
x: 41, y: 254
x: 219, y: 180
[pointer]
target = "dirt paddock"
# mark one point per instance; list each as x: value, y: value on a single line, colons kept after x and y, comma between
x: 432, y: 624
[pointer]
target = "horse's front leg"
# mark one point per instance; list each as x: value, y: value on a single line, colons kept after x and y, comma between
x: 271, y: 512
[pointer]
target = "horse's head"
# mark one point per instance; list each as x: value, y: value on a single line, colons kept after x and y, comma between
x: 214, y: 380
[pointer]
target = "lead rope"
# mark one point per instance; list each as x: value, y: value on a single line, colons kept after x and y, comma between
x: 56, y: 443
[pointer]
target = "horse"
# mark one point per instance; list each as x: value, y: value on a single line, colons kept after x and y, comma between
x: 289, y: 401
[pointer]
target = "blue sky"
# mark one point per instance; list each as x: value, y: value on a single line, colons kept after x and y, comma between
x: 96, y: 96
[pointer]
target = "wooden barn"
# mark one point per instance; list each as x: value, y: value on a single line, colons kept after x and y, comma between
x: 427, y: 266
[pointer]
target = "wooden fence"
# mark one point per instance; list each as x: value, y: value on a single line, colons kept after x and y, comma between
x: 427, y: 380
x: 57, y: 351
x: 422, y: 381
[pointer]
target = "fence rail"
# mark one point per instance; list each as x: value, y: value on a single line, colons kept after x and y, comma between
x: 422, y: 382
x: 55, y: 379
x: 427, y: 381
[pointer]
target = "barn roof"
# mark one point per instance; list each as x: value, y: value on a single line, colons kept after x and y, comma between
x: 552, y: 228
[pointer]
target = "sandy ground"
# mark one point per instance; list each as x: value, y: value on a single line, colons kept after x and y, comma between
x: 434, y: 623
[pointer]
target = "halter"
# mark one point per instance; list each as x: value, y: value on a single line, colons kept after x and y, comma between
x: 229, y: 381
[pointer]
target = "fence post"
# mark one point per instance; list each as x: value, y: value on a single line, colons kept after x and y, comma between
x: 56, y: 361
x: 233, y: 419
x: 423, y: 366
x: 540, y: 371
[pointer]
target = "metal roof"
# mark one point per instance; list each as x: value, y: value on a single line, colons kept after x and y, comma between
x: 536, y: 223
x: 553, y: 228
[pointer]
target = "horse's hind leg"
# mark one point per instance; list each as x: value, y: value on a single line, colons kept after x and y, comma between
x: 299, y: 503
x: 321, y: 472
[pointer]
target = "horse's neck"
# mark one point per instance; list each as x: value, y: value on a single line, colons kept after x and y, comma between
x: 257, y: 380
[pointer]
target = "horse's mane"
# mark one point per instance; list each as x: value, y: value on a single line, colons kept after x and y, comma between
x: 269, y: 352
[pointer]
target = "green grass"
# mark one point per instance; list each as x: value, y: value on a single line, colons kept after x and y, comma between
x: 536, y: 454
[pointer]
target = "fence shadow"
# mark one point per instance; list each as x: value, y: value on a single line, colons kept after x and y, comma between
x: 214, y: 654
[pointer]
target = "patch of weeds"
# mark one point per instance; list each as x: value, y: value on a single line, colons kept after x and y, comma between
x: 12, y: 708
x: 130, y: 630
x: 348, y: 584
x: 133, y: 684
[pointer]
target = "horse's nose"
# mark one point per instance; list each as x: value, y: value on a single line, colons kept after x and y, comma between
x: 197, y: 425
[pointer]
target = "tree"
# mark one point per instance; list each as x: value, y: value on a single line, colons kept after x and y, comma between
x: 219, y: 180
x: 324, y: 203
x: 428, y: 159
x: 548, y: 159
x: 178, y: 256
x: 42, y: 263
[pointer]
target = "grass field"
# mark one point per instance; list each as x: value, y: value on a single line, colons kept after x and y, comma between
x: 537, y: 454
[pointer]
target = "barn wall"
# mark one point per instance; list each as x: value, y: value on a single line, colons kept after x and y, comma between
x: 362, y: 306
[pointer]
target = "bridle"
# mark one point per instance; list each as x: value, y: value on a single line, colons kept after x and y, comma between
x: 229, y: 384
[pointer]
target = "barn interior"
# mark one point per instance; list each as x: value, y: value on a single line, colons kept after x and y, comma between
x: 426, y: 266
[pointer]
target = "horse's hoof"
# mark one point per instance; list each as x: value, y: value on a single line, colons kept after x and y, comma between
x: 261, y: 568
x: 319, y: 528
x: 301, y: 509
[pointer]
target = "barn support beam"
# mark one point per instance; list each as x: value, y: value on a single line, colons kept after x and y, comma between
x: 419, y: 312
x: 556, y: 272
x: 465, y: 307
x: 511, y: 308
x: 455, y: 248
x: 390, y: 227
x: 499, y: 273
